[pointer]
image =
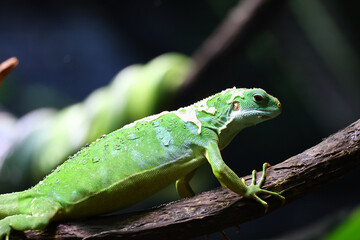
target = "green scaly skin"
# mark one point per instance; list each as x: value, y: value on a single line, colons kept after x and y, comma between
x: 132, y: 163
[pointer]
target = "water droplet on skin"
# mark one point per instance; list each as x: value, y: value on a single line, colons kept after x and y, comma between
x: 132, y: 136
x: 166, y: 141
x: 115, y: 153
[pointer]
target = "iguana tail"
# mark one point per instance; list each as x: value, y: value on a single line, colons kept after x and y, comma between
x: 9, y: 204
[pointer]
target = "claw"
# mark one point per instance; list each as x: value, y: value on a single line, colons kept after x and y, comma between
x: 253, y: 180
x: 254, y: 188
x: 262, y: 180
x: 243, y: 180
x: 277, y: 195
x: 259, y: 200
x: 266, y: 165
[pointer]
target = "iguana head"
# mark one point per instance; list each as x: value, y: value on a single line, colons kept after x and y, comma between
x: 252, y: 106
x: 238, y: 108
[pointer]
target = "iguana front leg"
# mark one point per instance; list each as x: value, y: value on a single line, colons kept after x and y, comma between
x: 229, y: 179
x: 183, y: 187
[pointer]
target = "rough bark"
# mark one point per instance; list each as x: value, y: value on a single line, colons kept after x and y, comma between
x: 218, y: 209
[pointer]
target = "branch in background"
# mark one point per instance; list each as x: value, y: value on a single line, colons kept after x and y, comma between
x: 7, y: 66
x: 218, y: 209
x: 243, y: 22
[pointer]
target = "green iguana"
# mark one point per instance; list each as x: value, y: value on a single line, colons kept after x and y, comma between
x: 132, y: 163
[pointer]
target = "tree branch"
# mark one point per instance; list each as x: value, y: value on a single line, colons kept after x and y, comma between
x: 7, y: 66
x: 243, y: 22
x: 218, y: 209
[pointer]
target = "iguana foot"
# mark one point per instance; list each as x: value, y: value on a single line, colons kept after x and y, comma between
x: 254, y: 189
x: 5, y: 229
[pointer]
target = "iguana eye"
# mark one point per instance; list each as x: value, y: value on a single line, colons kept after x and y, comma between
x: 236, y: 106
x: 258, y: 98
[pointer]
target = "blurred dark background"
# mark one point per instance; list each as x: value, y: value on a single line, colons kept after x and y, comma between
x: 307, y: 56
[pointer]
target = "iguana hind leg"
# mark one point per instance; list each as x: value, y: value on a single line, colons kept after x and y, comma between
x: 9, y: 204
x: 183, y: 187
x: 41, y: 212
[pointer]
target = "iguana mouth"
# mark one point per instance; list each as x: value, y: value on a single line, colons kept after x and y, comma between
x: 264, y: 115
